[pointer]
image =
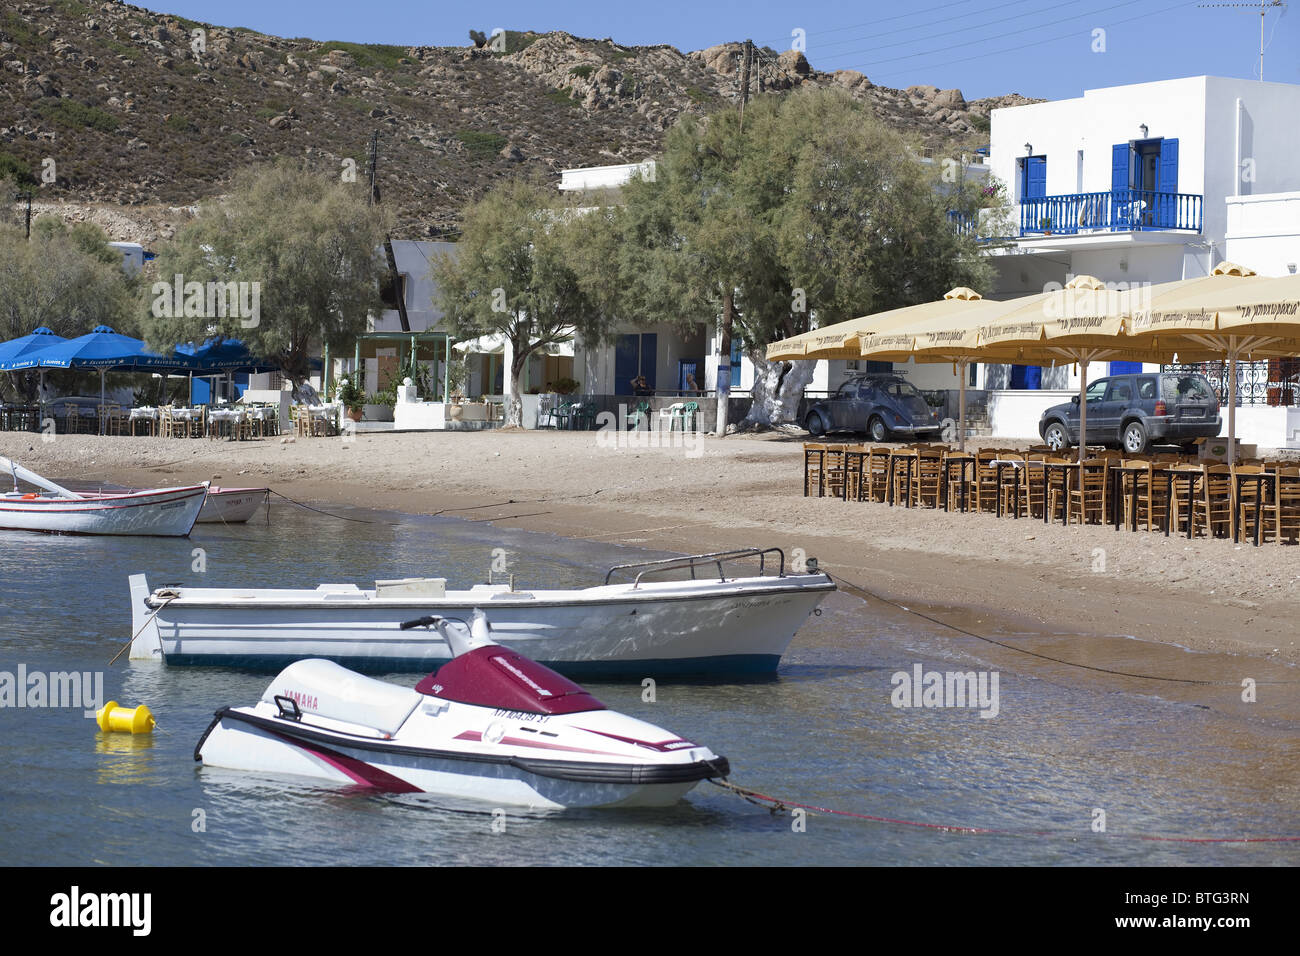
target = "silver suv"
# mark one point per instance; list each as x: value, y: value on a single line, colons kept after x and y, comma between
x: 1136, y: 411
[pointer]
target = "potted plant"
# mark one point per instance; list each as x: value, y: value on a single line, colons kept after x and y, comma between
x: 349, y: 394
x: 567, y: 386
x: 378, y: 406
x: 1045, y: 224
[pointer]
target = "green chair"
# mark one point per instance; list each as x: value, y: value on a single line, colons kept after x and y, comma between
x: 639, y: 417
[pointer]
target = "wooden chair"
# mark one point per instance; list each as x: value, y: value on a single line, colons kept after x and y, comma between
x: 1212, y: 508
x: 1057, y: 503
x: 876, y: 478
x: 1088, y: 493
x: 985, y: 480
x: 928, y: 480
x: 1187, y: 487
x: 814, y: 459
x: 1288, y: 504
x: 1255, y: 499
x: 903, y: 461
x: 1012, y: 488
x: 71, y: 418
x: 833, y: 469
x: 1135, y: 492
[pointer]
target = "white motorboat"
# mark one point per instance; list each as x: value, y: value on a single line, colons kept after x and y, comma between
x: 642, y: 627
x: 490, y: 725
x: 232, y: 505
x: 158, y: 511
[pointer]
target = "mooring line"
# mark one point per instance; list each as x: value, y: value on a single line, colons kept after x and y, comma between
x: 781, y: 804
x: 864, y: 592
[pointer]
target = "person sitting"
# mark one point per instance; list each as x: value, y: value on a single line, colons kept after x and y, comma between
x: 641, y: 387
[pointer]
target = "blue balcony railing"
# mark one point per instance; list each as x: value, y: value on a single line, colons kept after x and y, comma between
x: 1120, y: 210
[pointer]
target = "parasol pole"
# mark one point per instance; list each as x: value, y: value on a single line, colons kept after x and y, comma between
x: 961, y: 405
x: 1083, y: 406
x: 1232, y: 401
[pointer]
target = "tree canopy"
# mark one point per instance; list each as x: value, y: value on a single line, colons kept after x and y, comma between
x: 525, y: 268
x: 808, y: 208
x: 287, y: 260
x: 66, y: 278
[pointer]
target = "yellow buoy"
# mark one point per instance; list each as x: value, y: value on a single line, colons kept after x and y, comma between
x: 126, y: 720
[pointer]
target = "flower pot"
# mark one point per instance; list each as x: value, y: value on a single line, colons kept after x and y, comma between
x: 455, y: 412
x: 377, y: 413
x: 354, y: 414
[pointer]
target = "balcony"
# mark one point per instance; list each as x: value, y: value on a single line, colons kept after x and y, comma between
x: 1119, y: 210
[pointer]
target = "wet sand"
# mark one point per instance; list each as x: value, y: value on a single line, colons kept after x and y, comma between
x: 993, y: 576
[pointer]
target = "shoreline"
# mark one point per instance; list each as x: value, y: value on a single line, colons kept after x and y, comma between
x: 1009, y: 575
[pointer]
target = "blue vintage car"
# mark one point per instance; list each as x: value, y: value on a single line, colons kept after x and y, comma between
x: 880, y: 404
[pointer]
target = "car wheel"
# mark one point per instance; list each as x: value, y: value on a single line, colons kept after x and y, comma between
x: 815, y: 426
x: 1056, y: 437
x: 877, y: 429
x: 1135, y: 438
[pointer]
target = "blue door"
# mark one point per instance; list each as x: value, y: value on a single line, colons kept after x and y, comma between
x: 634, y: 355
x: 1026, y: 377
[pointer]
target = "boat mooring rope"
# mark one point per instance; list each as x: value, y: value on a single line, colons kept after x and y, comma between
x: 173, y: 596
x: 860, y: 591
x: 777, y: 805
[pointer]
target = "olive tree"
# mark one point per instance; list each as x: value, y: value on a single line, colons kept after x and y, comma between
x: 288, y: 260
x: 517, y: 272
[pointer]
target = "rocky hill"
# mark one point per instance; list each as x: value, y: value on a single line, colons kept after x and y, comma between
x: 129, y: 117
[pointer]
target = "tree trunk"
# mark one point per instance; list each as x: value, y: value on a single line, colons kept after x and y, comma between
x: 778, y: 387
x: 515, y: 404
x: 724, y: 359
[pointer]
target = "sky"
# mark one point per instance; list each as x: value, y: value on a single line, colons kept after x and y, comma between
x: 1040, y: 48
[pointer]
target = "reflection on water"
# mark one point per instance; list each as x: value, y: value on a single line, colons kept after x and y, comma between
x: 1158, y: 757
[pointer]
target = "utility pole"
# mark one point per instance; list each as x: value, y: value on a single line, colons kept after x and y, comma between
x: 27, y: 195
x: 745, y: 67
x: 394, y: 278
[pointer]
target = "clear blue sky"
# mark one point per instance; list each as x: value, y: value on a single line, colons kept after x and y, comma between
x: 1040, y: 48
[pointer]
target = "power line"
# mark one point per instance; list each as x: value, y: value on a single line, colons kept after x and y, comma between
x: 901, y: 16
x: 1009, y: 33
x: 1021, y: 46
x: 1020, y: 15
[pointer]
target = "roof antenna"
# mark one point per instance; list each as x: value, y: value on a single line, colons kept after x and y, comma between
x: 1263, y: 6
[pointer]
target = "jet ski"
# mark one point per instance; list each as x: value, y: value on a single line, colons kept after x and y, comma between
x: 488, y: 725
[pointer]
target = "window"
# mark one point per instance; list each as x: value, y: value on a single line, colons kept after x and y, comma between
x: 1096, y: 390
x: 1120, y: 391
x: 1146, y: 388
x: 389, y: 297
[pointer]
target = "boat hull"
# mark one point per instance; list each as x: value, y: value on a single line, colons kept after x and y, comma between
x: 742, y: 626
x: 169, y: 512
x: 232, y: 505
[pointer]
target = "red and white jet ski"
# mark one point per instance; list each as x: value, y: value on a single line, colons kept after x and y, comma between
x: 489, y: 725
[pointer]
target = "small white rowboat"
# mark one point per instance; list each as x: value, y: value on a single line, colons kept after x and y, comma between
x: 169, y: 512
x: 232, y: 505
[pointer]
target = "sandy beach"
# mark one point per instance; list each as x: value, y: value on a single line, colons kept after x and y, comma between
x: 1008, y: 575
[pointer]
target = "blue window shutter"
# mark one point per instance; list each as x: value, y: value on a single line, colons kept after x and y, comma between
x: 1119, y: 156
x: 1168, y: 166
x: 1125, y: 368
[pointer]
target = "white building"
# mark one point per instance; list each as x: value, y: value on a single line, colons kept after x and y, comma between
x: 1145, y: 183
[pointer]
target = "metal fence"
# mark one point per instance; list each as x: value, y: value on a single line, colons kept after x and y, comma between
x: 1266, y: 382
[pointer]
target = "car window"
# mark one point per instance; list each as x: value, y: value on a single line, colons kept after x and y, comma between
x: 1096, y: 390
x: 1120, y: 391
x: 866, y: 391
x: 1146, y: 388
x: 1186, y: 388
x: 847, y: 390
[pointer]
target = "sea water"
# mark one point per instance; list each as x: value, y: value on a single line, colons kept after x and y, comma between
x: 1073, y: 767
